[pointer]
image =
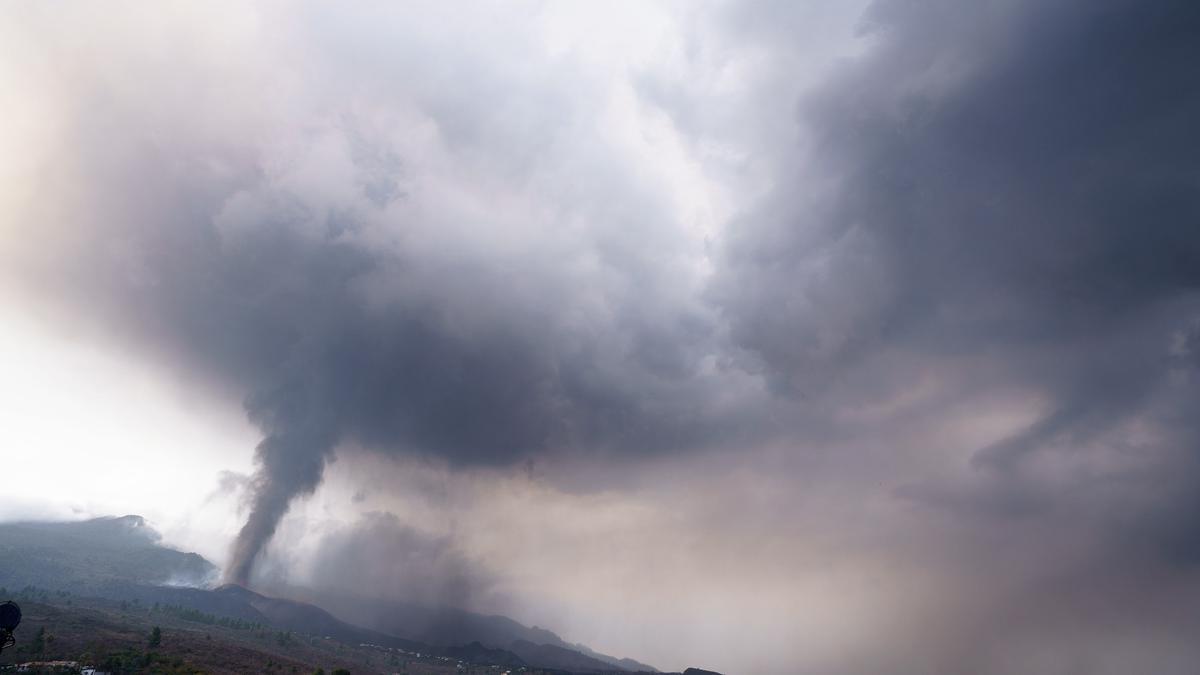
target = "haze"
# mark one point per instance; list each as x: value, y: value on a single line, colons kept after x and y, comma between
x: 778, y: 337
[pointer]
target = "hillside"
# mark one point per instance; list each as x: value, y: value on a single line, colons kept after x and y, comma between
x: 91, y: 555
x: 112, y: 577
x: 552, y: 656
x: 114, y: 636
x: 444, y: 626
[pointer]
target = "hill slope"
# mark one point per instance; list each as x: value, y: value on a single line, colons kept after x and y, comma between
x: 449, y: 626
x: 89, y: 555
x: 120, y: 559
x: 114, y: 636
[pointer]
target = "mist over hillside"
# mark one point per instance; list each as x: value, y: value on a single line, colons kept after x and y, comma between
x: 445, y: 626
x: 121, y: 560
x: 93, y: 555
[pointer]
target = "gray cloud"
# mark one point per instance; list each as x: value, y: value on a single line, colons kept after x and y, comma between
x: 1004, y: 195
x: 969, y: 300
x: 1011, y: 185
x: 379, y: 557
x: 353, y: 302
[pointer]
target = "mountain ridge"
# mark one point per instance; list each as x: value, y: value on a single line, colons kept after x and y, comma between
x: 122, y: 558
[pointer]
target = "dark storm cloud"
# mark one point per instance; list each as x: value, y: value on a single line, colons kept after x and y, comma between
x: 1014, y: 182
x: 352, y: 299
x: 1010, y: 187
x: 996, y: 197
x: 289, y: 316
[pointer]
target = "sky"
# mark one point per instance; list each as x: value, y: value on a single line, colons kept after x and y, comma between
x: 767, y: 337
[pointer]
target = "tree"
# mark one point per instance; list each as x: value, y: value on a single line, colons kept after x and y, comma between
x: 39, y: 641
x: 155, y: 637
x: 341, y: 671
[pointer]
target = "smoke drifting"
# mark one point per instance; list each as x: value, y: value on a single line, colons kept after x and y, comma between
x: 929, y: 316
x: 360, y: 280
x: 1024, y: 211
x: 381, y: 558
x: 338, y: 342
x: 287, y: 470
x: 338, y: 360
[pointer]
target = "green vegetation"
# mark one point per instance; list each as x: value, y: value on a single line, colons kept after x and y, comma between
x: 196, y: 616
x: 98, y: 632
x: 39, y: 642
x: 137, y: 661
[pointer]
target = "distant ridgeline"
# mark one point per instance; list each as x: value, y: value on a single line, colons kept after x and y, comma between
x: 120, y: 561
x: 99, y: 556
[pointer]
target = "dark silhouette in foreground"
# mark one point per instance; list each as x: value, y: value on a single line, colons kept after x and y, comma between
x: 10, y: 618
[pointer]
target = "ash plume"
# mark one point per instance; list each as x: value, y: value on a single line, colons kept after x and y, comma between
x: 329, y: 365
x: 947, y: 290
x: 290, y: 466
x: 351, y: 304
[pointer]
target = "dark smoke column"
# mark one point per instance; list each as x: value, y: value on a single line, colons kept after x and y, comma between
x: 291, y: 462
